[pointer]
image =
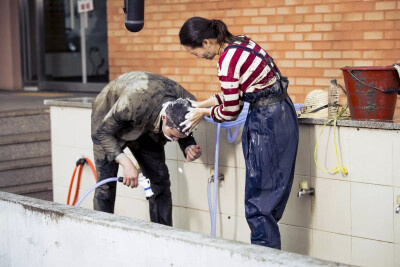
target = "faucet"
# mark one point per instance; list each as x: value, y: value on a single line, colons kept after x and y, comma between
x: 221, y: 177
x: 398, y: 203
x: 305, y: 189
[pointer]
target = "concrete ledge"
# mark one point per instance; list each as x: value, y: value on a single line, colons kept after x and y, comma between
x: 384, y: 125
x: 42, y: 233
x: 78, y: 102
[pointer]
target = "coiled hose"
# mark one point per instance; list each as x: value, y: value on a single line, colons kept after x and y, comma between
x: 79, y: 164
x: 231, y: 138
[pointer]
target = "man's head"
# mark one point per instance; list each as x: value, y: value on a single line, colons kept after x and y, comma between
x: 174, y: 115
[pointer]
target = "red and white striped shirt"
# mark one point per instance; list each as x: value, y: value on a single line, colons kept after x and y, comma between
x: 240, y: 72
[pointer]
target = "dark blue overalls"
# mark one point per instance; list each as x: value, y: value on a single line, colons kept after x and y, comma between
x: 269, y: 140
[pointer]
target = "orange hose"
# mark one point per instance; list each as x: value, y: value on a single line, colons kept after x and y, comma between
x: 87, y: 160
x: 70, y: 185
x: 92, y: 167
x: 78, y: 183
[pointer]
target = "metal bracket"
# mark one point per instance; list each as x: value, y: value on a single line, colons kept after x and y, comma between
x: 220, y: 178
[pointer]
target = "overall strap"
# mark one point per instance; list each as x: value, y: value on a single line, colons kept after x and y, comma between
x: 268, y: 60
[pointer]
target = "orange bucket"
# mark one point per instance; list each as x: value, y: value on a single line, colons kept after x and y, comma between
x: 371, y: 92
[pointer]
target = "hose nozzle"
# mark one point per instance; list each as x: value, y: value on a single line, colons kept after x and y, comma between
x: 145, y: 183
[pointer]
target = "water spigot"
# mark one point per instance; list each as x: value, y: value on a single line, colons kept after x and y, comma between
x: 305, y: 189
x: 221, y: 177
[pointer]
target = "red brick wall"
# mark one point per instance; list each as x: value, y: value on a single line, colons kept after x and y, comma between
x: 310, y: 40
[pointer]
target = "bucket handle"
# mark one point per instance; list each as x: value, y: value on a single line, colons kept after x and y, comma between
x: 341, y: 87
x: 388, y: 91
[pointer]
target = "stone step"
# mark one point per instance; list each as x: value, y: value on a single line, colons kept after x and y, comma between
x: 28, y: 189
x: 24, y: 138
x: 25, y: 150
x: 29, y: 175
x: 25, y: 163
x: 27, y: 121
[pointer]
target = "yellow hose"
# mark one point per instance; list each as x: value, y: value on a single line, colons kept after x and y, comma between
x: 339, y: 167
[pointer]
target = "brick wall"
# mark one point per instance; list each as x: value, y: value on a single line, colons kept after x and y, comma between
x: 310, y: 40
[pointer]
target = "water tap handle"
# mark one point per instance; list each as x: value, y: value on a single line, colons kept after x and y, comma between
x: 304, y: 185
x: 305, y: 189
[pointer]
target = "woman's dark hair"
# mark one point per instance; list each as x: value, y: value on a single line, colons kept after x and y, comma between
x: 196, y: 29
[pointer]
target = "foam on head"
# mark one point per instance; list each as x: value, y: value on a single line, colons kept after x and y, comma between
x: 176, y: 112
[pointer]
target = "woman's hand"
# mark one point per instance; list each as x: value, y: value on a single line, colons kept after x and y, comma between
x: 193, y: 118
x: 212, y: 101
x: 130, y: 172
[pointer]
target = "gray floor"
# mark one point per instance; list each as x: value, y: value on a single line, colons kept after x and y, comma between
x: 27, y: 100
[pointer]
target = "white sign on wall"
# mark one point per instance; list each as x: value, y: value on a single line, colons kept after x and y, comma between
x: 85, y: 6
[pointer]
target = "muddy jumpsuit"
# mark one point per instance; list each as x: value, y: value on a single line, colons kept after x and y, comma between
x: 270, y: 134
x: 126, y: 114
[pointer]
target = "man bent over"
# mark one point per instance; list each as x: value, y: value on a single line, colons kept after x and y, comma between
x: 141, y: 111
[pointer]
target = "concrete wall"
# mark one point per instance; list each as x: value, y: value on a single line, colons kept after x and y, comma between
x: 350, y: 219
x: 10, y: 55
x: 41, y: 233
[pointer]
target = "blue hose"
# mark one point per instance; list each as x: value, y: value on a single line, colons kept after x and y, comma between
x: 231, y: 138
x: 108, y: 180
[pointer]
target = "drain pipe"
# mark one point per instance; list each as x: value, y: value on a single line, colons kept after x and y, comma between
x: 216, y: 177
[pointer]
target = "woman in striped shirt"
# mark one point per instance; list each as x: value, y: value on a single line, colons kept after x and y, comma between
x: 270, y: 134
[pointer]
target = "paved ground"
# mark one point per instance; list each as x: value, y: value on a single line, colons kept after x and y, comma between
x: 25, y: 100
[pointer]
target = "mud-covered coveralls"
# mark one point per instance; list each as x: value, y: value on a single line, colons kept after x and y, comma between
x: 126, y: 113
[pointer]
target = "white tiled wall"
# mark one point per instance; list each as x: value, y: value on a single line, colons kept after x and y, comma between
x: 230, y: 155
x: 396, y: 158
x: 192, y: 179
x: 371, y: 154
x: 296, y: 239
x: 396, y: 216
x: 372, y: 211
x: 300, y: 207
x: 303, y: 162
x: 367, y: 252
x: 331, y: 246
x: 350, y: 219
x: 74, y: 123
x: 331, y: 206
x: 397, y: 255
